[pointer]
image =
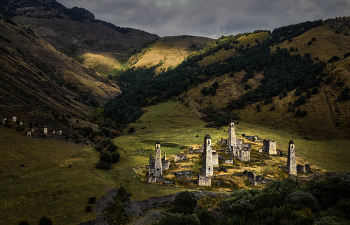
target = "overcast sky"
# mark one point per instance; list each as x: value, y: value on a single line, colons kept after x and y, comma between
x: 210, y: 18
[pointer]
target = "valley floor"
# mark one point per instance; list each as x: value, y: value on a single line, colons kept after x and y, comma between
x: 47, y: 186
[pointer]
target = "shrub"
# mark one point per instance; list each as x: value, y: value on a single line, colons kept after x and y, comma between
x: 88, y: 208
x: 328, y: 80
x: 344, y: 95
x: 23, y: 223
x: 185, y: 202
x: 115, y: 157
x: 298, y: 92
x: 179, y: 219
x: 92, y: 200
x: 314, y: 91
x: 106, y: 157
x: 45, y: 221
x: 258, y: 108
x: 112, y: 148
x: 103, y: 165
x: 303, y: 199
x: 131, y: 130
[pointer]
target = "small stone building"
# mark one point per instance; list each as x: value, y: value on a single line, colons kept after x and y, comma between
x: 227, y: 161
x: 270, y: 147
x: 28, y: 134
x: 180, y: 157
x: 244, y: 155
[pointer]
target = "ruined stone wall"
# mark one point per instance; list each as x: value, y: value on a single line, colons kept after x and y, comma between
x: 244, y: 155
x: 270, y: 147
x: 204, y: 181
x: 179, y: 157
x: 165, y: 164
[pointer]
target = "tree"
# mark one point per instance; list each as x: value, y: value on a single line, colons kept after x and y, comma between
x: 179, y: 219
x: 185, y: 202
x: 115, y: 157
x: 106, y: 157
x: 258, y: 108
x: 45, y: 221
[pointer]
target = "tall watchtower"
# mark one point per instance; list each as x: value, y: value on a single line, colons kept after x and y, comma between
x: 207, y: 167
x: 291, y: 165
x: 158, y: 161
x: 232, y: 141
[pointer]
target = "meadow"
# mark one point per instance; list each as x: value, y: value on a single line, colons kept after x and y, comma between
x: 56, y: 181
x: 59, y: 177
x: 177, y: 127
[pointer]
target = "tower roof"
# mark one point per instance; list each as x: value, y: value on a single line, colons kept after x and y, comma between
x: 207, y: 137
x: 231, y: 120
x: 158, y: 142
x: 291, y: 142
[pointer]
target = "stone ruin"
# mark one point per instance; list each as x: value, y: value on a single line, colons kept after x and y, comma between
x: 183, y: 174
x: 180, y: 157
x: 255, y: 179
x: 269, y: 147
x: 291, y: 165
x: 204, y: 179
x: 191, y: 150
x: 215, y: 158
x: 227, y: 161
x: 155, y: 167
x: 303, y: 169
x: 222, y: 142
x: 236, y: 147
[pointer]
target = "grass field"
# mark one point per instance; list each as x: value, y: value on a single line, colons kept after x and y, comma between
x: 46, y: 186
x: 177, y: 127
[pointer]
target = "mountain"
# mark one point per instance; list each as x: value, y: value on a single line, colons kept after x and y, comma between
x: 296, y: 77
x: 38, y: 81
x: 76, y: 33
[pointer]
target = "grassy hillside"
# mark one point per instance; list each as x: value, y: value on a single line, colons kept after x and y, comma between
x: 169, y: 51
x: 39, y: 79
x: 249, y: 39
x: 56, y: 181
x: 81, y: 40
x: 326, y: 116
x: 177, y: 127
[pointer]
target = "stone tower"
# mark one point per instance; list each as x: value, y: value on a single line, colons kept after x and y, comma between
x: 291, y: 165
x: 158, y: 161
x: 232, y: 142
x: 207, y: 168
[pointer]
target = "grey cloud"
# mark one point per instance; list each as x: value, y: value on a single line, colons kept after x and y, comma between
x: 207, y: 17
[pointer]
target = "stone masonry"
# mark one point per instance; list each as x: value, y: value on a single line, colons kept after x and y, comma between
x: 291, y: 165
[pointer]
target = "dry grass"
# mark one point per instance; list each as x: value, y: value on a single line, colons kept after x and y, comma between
x: 224, y: 54
x: 170, y: 51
